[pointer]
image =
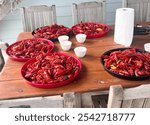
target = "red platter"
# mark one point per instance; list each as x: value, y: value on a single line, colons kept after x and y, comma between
x: 29, y: 48
x: 47, y: 79
x: 91, y: 29
x: 51, y: 32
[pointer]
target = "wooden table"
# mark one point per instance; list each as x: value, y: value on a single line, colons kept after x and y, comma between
x: 92, y: 78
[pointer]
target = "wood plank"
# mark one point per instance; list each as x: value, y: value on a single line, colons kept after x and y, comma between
x: 100, y: 101
x: 137, y: 103
x: 115, y: 96
x: 24, y: 35
x: 135, y: 97
x: 72, y: 100
x: 92, y: 52
x: 11, y: 73
x: 86, y: 100
x: 146, y: 103
x: 141, y: 9
x: 97, y: 81
x: 137, y: 92
x: 126, y: 103
x: 13, y: 63
x: 38, y: 102
x: 89, y: 12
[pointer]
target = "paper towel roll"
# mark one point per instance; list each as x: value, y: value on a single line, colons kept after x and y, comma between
x: 124, y: 26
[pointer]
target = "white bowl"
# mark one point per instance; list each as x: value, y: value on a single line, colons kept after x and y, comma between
x: 80, y: 51
x: 63, y: 38
x: 147, y: 47
x: 66, y: 45
x: 81, y: 38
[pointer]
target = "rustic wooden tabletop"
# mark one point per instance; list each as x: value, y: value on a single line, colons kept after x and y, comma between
x: 93, y: 76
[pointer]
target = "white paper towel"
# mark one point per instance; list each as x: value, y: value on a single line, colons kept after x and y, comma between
x: 124, y: 26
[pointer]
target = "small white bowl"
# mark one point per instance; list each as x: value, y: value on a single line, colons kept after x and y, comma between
x: 81, y: 38
x: 80, y: 51
x: 66, y: 45
x: 147, y: 47
x: 63, y: 38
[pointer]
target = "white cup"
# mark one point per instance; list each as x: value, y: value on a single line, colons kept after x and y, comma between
x: 80, y: 51
x: 147, y: 47
x: 81, y: 38
x: 66, y: 45
x: 63, y: 38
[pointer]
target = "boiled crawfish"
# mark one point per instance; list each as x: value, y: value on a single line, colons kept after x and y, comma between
x: 51, y: 68
x: 128, y: 62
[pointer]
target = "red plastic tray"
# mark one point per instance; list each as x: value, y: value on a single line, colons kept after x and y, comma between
x: 53, y: 39
x: 104, y: 31
x: 23, y: 59
x: 50, y: 85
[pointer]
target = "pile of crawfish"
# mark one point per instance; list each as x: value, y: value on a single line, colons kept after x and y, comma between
x: 30, y: 48
x: 52, y: 31
x: 52, y: 68
x: 89, y: 28
x: 128, y: 62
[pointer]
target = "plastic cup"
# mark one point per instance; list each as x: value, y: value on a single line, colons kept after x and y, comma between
x: 147, y: 47
x: 63, y: 38
x: 66, y: 45
x: 80, y: 51
x: 81, y: 38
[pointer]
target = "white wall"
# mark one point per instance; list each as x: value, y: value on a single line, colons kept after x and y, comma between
x: 11, y: 25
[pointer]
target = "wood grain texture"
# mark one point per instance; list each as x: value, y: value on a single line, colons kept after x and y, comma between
x: 141, y: 9
x: 38, y: 16
x: 136, y: 97
x: 93, y: 77
x: 37, y: 102
x: 89, y: 12
x: 72, y: 100
x: 68, y: 100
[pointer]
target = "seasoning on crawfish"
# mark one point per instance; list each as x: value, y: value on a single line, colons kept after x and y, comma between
x: 30, y: 48
x: 52, y: 31
x: 51, y: 68
x: 128, y: 62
